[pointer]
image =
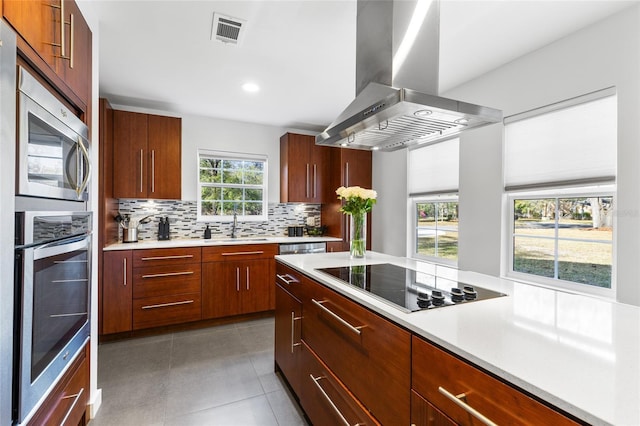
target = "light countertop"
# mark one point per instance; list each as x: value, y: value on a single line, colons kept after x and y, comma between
x: 579, y: 353
x: 216, y: 241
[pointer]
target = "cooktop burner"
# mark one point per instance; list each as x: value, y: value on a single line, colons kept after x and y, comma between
x: 407, y: 288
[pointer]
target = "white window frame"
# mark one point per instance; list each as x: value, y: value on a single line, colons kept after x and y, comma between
x: 444, y: 198
x: 554, y: 283
x: 233, y: 156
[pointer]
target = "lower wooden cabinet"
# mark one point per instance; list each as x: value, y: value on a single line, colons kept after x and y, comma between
x: 67, y: 403
x: 324, y: 397
x: 166, y: 287
x: 117, y: 292
x: 425, y: 414
x: 238, y: 280
x: 361, y: 359
x: 288, y: 330
x: 474, y: 389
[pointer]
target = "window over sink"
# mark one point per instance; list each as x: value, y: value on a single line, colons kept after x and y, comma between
x: 231, y: 183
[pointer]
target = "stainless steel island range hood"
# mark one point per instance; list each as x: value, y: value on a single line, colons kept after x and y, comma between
x: 397, y: 67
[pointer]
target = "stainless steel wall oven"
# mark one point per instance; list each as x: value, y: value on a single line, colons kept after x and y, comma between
x: 53, y: 145
x: 52, y: 294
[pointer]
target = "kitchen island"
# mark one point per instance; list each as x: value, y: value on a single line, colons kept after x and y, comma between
x: 579, y: 354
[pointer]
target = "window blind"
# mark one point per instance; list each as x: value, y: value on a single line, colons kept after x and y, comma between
x: 433, y: 169
x: 567, y: 144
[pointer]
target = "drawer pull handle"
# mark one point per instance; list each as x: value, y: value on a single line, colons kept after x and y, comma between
x: 457, y: 399
x: 285, y: 280
x: 315, y: 381
x: 164, y: 305
x: 242, y: 253
x: 182, y: 256
x: 334, y: 315
x: 75, y: 401
x: 167, y: 274
x: 293, y: 319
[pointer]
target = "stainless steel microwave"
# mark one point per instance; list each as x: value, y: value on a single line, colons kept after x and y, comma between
x: 53, y: 159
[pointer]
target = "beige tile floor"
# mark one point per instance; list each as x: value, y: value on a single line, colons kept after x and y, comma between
x: 222, y: 375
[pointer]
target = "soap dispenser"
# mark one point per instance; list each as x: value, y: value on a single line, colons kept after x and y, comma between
x: 207, y: 233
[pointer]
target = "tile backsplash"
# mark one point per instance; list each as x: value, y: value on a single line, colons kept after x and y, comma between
x: 182, y: 217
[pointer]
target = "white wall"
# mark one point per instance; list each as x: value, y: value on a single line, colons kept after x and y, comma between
x: 602, y: 55
x: 389, y: 227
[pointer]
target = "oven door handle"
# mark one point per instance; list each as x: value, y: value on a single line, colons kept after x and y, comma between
x: 85, y: 181
x: 63, y: 246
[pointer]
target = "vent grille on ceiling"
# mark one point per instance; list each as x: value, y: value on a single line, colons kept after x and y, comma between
x: 228, y: 30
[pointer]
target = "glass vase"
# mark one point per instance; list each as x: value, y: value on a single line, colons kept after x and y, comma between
x: 358, y: 234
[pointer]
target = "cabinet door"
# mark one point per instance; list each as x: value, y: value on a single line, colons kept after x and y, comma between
x: 302, y: 169
x: 221, y: 289
x: 257, y: 286
x: 165, y: 157
x: 117, y: 292
x: 425, y: 414
x: 287, y: 337
x: 130, y: 155
x: 75, y: 68
x: 38, y: 22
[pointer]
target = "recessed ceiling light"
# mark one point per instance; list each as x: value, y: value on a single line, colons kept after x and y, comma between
x: 250, y: 87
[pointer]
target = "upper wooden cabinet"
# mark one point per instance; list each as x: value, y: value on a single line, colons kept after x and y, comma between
x: 302, y: 169
x: 54, y: 35
x: 147, y: 156
x: 346, y: 167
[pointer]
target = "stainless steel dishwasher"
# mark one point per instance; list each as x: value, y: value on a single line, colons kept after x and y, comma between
x: 303, y: 248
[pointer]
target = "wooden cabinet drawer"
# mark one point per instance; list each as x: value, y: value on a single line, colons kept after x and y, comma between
x: 67, y: 403
x: 165, y: 310
x: 425, y: 414
x: 239, y: 252
x: 367, y: 352
x: 290, y: 279
x: 435, y: 371
x: 166, y: 280
x: 325, y: 400
x: 166, y: 256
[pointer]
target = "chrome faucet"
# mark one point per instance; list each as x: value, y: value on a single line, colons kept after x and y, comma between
x: 235, y: 224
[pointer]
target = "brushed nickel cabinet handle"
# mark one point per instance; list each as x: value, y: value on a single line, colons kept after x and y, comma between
x: 237, y: 278
x: 180, y: 256
x: 346, y: 173
x: 307, y: 182
x: 247, y: 278
x: 124, y: 271
x: 76, y: 398
x: 72, y: 36
x: 164, y: 305
x: 320, y: 304
x: 141, y: 165
x: 287, y: 281
x: 153, y: 170
x: 294, y: 318
x: 242, y: 253
x: 168, y: 274
x: 315, y: 181
x: 337, y: 411
x: 458, y: 400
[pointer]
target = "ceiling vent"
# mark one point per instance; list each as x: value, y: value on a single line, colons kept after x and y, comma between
x: 228, y: 30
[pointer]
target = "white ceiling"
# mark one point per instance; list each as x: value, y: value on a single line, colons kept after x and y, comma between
x: 157, y: 54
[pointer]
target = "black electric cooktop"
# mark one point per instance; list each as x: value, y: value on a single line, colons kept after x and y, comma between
x: 409, y: 289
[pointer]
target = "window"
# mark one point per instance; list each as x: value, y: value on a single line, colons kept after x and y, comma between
x: 564, y: 238
x: 231, y: 183
x: 433, y: 188
x: 437, y: 229
x: 560, y: 172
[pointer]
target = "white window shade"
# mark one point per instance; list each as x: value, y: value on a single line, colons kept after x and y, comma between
x: 570, y: 145
x: 434, y: 168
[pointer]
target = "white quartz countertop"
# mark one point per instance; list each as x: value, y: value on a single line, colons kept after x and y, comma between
x: 219, y: 241
x: 579, y: 353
